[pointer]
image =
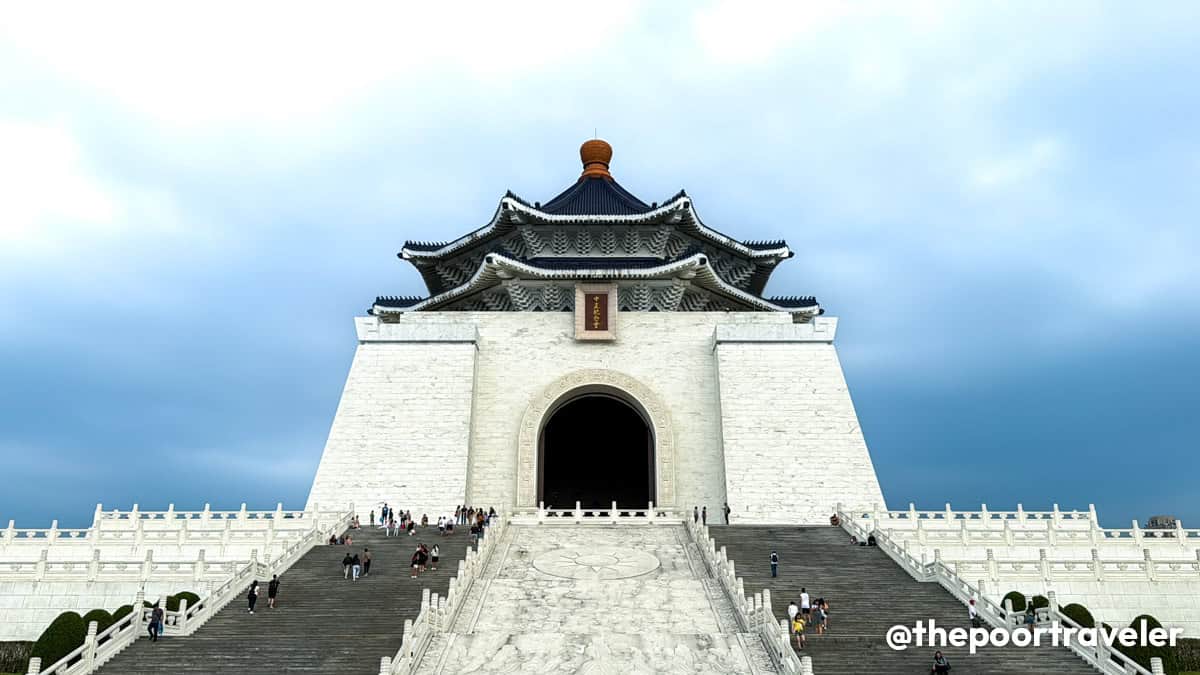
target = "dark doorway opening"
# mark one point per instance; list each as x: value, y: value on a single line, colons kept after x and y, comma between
x: 594, y: 449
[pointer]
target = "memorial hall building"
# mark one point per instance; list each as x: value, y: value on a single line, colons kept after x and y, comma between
x: 592, y: 348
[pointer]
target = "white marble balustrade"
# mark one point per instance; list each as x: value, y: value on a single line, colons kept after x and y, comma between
x: 122, y: 536
x: 613, y: 515
x: 1116, y: 574
x: 754, y: 612
x: 101, y: 646
x: 1100, y: 657
x: 1021, y: 534
x: 44, y: 572
x: 438, y: 614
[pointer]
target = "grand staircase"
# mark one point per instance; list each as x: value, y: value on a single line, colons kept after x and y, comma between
x: 322, y: 623
x: 868, y: 593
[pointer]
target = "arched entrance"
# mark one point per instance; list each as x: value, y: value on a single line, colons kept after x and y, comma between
x: 596, y: 447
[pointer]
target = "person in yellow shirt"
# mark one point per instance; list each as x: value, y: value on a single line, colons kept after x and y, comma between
x: 798, y: 631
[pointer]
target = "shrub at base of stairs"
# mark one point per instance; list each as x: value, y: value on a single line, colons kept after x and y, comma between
x: 1018, y: 601
x: 173, y: 600
x: 14, y: 656
x: 121, y: 612
x: 1079, y: 614
x: 1142, y: 655
x: 1187, y: 654
x: 62, y: 636
x: 102, y: 618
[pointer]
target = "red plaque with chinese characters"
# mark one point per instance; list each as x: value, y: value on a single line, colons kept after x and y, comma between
x: 596, y: 308
x: 596, y: 311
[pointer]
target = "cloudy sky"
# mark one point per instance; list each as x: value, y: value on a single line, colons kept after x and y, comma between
x: 999, y: 200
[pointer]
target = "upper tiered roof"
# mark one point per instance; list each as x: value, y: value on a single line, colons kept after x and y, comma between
x: 596, y: 229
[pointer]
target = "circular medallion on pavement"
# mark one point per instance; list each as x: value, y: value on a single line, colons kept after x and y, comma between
x: 595, y: 563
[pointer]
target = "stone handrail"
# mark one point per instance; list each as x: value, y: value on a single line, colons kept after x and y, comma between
x: 1021, y: 526
x: 100, y: 647
x: 137, y: 529
x: 1108, y: 661
x: 613, y: 515
x: 437, y: 615
x: 754, y: 613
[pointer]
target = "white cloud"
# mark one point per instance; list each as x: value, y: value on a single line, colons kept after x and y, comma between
x: 1017, y: 167
x: 46, y: 181
x: 228, y: 62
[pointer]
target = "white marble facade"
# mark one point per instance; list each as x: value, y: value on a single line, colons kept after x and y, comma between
x: 442, y: 408
x: 614, y: 600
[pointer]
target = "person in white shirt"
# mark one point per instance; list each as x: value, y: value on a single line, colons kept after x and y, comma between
x: 792, y: 610
x: 973, y: 613
x: 805, y: 605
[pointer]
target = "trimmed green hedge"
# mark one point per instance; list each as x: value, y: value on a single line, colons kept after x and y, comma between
x: 1187, y: 654
x: 1039, y: 601
x: 102, y: 618
x: 1079, y: 614
x: 60, y: 638
x: 121, y: 612
x: 1018, y: 601
x: 1142, y: 655
x: 173, y: 600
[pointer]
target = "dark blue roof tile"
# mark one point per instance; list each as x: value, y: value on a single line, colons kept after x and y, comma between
x: 595, y: 197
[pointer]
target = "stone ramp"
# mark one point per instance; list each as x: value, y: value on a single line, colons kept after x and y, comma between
x: 868, y: 593
x: 323, y: 623
x: 596, y: 599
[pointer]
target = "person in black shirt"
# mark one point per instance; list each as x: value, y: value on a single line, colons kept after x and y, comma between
x: 272, y: 590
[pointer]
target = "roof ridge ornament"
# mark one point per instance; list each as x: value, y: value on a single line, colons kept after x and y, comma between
x: 595, y: 155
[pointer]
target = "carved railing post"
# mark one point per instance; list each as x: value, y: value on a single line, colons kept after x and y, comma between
x: 139, y: 613
x: 35, y: 665
x: 1151, y: 572
x: 181, y: 622
x: 89, y: 647
x: 650, y: 513
x: 200, y: 568
x: 578, y: 512
x: 94, y: 566
x: 613, y: 513
x: 181, y: 532
x: 1137, y: 534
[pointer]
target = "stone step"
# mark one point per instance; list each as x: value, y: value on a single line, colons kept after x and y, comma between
x: 867, y: 594
x: 322, y: 623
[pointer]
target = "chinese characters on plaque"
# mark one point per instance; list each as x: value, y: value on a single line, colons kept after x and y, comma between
x: 595, y: 311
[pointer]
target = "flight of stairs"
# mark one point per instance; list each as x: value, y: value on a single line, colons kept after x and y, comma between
x: 868, y: 593
x: 322, y: 623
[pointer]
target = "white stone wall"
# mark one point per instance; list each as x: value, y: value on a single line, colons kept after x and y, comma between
x: 27, y: 607
x: 439, y: 387
x: 401, y: 430
x: 1117, y: 574
x: 1117, y: 602
x: 793, y: 445
x: 670, y: 353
